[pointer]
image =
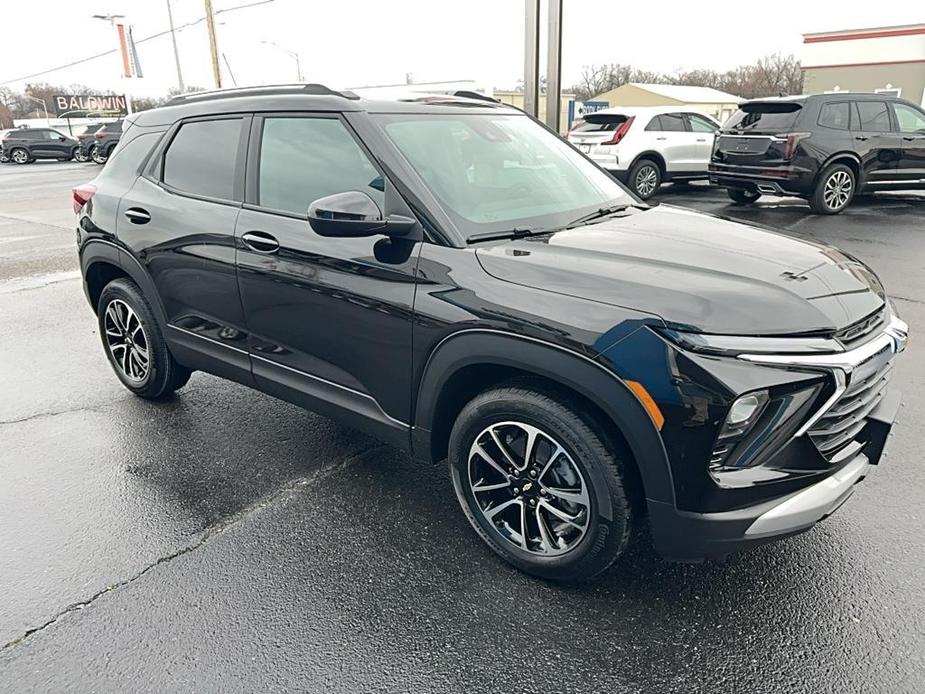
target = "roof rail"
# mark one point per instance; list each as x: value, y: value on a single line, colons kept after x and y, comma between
x: 269, y: 89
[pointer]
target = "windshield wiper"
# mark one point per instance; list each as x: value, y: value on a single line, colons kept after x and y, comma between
x: 602, y: 212
x: 515, y: 233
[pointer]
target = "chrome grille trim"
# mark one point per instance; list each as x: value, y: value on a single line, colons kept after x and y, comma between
x: 853, y: 399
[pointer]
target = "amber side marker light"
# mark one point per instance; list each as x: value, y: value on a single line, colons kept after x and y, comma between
x: 640, y: 392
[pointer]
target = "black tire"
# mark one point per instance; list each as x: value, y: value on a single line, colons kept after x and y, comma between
x: 81, y: 156
x: 834, y: 191
x: 97, y: 156
x: 19, y: 155
x: 742, y: 196
x: 609, y: 514
x: 163, y: 374
x: 645, y: 178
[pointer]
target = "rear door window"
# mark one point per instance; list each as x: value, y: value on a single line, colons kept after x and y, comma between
x: 874, y: 116
x: 835, y: 115
x: 303, y: 159
x: 765, y: 116
x: 600, y: 122
x: 201, y: 158
x: 672, y: 122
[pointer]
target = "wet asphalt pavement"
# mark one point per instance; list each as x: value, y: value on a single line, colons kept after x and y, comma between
x: 225, y: 541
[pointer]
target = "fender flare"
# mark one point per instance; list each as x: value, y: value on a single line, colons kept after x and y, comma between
x: 102, y: 251
x: 843, y: 156
x: 558, y: 364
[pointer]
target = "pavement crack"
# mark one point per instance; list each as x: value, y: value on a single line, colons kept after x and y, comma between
x: 56, y: 413
x: 906, y: 298
x: 204, y: 537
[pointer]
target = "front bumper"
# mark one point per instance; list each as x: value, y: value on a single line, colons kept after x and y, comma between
x: 688, y: 536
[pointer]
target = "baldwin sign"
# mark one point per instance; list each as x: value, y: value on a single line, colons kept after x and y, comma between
x: 68, y: 105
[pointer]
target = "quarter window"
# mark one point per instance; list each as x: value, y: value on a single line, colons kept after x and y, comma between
x: 303, y: 159
x: 874, y: 116
x: 910, y: 120
x: 835, y: 116
x: 201, y: 158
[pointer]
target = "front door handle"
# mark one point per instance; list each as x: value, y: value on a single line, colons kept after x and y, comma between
x: 661, y: 138
x: 910, y: 138
x: 861, y: 137
x: 701, y: 139
x: 136, y: 215
x: 260, y: 241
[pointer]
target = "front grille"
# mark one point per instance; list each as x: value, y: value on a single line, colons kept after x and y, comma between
x: 835, y: 433
x: 860, y: 328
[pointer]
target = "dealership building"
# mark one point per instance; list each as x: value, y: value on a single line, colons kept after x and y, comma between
x: 888, y: 60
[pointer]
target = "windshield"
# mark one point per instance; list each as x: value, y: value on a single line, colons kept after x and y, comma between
x: 495, y: 172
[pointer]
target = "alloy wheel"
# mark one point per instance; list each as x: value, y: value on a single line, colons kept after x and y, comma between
x: 528, y: 488
x: 20, y: 156
x: 127, y: 341
x: 646, y: 181
x: 837, y: 190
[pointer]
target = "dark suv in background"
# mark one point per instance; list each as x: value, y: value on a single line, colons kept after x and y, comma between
x: 104, y: 141
x: 826, y: 148
x: 452, y: 277
x: 25, y: 145
x: 86, y: 139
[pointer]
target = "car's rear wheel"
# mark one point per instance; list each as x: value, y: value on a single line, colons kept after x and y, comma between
x: 134, y: 344
x: 645, y: 178
x: 834, y: 191
x: 20, y: 156
x: 539, y: 483
x: 742, y: 196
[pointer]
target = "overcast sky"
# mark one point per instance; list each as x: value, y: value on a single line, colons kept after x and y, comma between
x: 349, y: 43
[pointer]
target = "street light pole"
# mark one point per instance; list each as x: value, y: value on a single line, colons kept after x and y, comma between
x: 44, y: 107
x: 176, y: 52
x: 213, y: 45
x: 292, y: 54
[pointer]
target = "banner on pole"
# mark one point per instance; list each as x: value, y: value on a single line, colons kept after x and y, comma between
x: 131, y: 66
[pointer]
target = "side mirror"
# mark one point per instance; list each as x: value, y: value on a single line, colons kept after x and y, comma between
x: 354, y: 214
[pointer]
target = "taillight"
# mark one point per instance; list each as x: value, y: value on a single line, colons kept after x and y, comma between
x: 793, y: 139
x: 82, y: 195
x: 620, y: 132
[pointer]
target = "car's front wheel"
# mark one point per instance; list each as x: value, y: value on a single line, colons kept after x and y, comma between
x: 645, y: 178
x: 540, y: 483
x: 134, y: 344
x: 97, y: 155
x: 834, y: 191
x: 80, y: 155
x: 742, y: 196
x: 20, y: 156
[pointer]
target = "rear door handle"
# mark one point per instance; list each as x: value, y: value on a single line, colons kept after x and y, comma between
x: 260, y: 241
x: 701, y: 139
x: 136, y: 215
x: 661, y: 138
x: 861, y: 137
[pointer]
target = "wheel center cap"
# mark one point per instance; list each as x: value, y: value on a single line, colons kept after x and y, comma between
x: 527, y: 486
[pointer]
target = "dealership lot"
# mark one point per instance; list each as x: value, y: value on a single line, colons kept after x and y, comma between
x: 226, y: 540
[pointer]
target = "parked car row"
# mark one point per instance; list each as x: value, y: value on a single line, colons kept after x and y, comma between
x: 95, y: 143
x: 825, y: 148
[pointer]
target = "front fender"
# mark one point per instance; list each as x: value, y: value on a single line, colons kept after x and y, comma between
x: 577, y: 372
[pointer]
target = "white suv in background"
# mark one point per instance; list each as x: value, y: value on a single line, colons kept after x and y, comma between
x: 645, y: 145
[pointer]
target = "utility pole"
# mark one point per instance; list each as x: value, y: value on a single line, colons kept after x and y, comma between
x: 176, y: 52
x: 213, y: 46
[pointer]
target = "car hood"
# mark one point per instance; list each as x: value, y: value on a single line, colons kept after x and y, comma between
x: 696, y: 272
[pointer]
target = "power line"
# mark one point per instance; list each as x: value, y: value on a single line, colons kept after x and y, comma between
x: 146, y: 38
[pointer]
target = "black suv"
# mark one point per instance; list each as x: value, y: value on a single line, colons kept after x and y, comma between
x: 451, y: 276
x: 824, y: 147
x: 25, y: 145
x: 104, y: 141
